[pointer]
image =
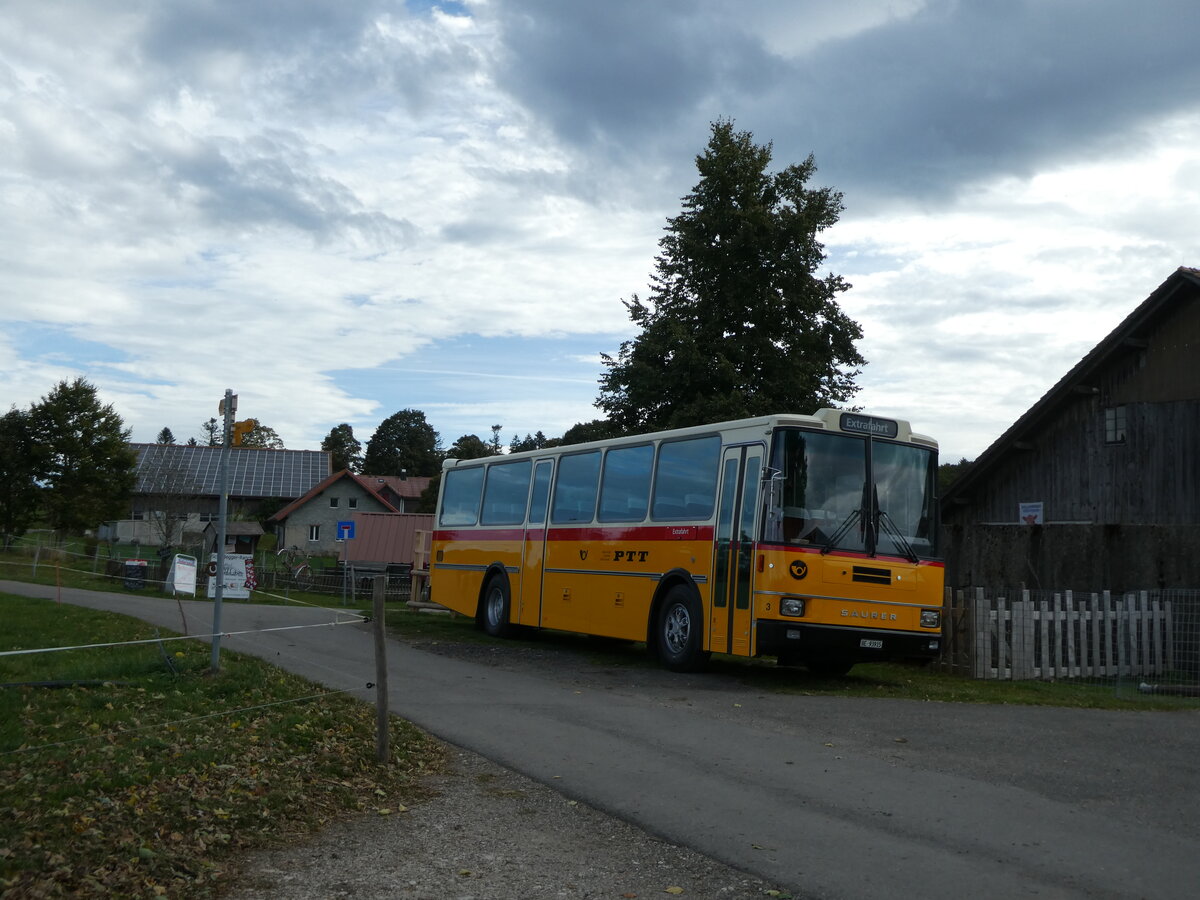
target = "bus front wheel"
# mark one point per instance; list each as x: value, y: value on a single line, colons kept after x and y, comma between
x: 497, y: 605
x: 679, y: 632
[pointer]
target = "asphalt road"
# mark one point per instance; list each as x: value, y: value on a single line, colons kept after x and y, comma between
x: 832, y: 797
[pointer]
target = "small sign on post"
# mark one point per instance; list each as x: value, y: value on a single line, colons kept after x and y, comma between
x: 345, y: 531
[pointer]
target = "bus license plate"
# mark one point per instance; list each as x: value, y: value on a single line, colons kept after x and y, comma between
x: 871, y: 644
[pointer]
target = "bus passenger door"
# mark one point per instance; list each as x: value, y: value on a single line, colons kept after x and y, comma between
x: 533, y: 552
x: 730, y: 618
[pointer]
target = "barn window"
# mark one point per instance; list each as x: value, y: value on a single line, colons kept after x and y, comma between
x: 1114, y: 425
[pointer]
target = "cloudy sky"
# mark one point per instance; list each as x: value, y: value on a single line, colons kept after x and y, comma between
x: 344, y: 209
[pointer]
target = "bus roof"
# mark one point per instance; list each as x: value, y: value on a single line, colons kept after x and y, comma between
x: 745, y: 430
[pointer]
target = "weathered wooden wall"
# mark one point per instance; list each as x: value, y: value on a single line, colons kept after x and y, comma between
x: 1153, y: 478
x: 1073, y: 557
x: 1063, y: 459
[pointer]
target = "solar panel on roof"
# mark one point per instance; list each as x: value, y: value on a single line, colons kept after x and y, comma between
x: 252, y: 473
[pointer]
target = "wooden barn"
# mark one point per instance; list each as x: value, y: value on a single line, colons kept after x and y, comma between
x: 1097, y: 486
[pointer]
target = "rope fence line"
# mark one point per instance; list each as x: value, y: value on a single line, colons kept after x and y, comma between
x: 164, y: 725
x: 160, y: 583
x: 155, y: 581
x: 357, y: 620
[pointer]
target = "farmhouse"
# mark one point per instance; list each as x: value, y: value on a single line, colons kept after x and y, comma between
x: 311, y: 521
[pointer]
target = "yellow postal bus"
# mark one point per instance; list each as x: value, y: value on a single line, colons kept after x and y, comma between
x: 807, y: 538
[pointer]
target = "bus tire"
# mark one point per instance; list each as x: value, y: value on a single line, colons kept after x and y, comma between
x: 496, y: 608
x: 679, y: 633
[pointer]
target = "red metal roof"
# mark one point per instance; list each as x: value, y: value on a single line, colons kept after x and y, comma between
x: 385, y: 538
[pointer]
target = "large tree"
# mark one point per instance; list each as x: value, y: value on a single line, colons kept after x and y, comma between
x: 739, y: 320
x: 83, y: 459
x: 470, y: 446
x: 403, y: 443
x: 18, y: 485
x: 259, y: 436
x: 344, y: 449
x: 583, y: 432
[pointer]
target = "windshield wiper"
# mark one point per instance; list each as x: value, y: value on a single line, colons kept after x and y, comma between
x: 889, y: 526
x: 867, y: 531
x: 841, y: 531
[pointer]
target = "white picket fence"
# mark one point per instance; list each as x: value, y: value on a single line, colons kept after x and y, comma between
x: 1060, y: 635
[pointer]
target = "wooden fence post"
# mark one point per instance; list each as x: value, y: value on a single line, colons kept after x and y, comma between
x: 981, y: 636
x: 381, y: 673
x: 1022, y: 637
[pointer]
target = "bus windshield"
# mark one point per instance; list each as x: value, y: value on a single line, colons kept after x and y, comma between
x: 822, y: 493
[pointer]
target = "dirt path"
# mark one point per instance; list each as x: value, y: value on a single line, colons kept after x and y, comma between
x: 490, y: 834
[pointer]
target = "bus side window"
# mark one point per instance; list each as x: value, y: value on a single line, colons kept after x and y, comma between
x: 575, y: 488
x: 505, y: 492
x: 685, y: 480
x: 625, y: 488
x: 541, y: 492
x: 460, y: 496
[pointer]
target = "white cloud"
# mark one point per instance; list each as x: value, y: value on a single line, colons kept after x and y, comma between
x: 204, y: 195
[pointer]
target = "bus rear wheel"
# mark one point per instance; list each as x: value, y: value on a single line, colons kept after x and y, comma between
x: 496, y: 607
x: 679, y: 632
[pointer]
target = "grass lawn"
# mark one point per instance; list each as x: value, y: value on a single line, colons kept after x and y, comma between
x: 132, y: 771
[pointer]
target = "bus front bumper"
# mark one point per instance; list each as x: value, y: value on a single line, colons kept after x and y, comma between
x: 804, y: 640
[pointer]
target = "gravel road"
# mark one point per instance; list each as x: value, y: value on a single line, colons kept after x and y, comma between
x: 490, y: 834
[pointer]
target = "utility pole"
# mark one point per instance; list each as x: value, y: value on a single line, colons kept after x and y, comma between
x: 228, y: 407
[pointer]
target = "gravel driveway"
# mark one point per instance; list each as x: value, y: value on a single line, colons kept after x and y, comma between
x: 489, y: 834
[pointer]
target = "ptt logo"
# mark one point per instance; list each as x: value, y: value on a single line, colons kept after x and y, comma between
x: 798, y: 569
x: 626, y: 556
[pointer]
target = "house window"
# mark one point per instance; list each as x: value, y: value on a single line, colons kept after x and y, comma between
x: 314, y: 532
x: 333, y: 502
x: 1114, y: 425
x: 352, y: 502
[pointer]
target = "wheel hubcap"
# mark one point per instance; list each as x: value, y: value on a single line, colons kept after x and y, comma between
x: 495, y: 606
x: 678, y: 628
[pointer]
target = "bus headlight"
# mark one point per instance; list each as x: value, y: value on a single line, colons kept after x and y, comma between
x: 931, y: 618
x: 792, y: 606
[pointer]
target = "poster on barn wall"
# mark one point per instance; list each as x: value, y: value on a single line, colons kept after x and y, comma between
x: 1031, y: 513
x: 238, y: 579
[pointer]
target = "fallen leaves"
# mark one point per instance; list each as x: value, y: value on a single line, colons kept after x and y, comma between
x: 154, y: 810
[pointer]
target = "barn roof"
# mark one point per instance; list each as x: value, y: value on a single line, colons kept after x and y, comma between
x: 179, y: 468
x: 1132, y: 332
